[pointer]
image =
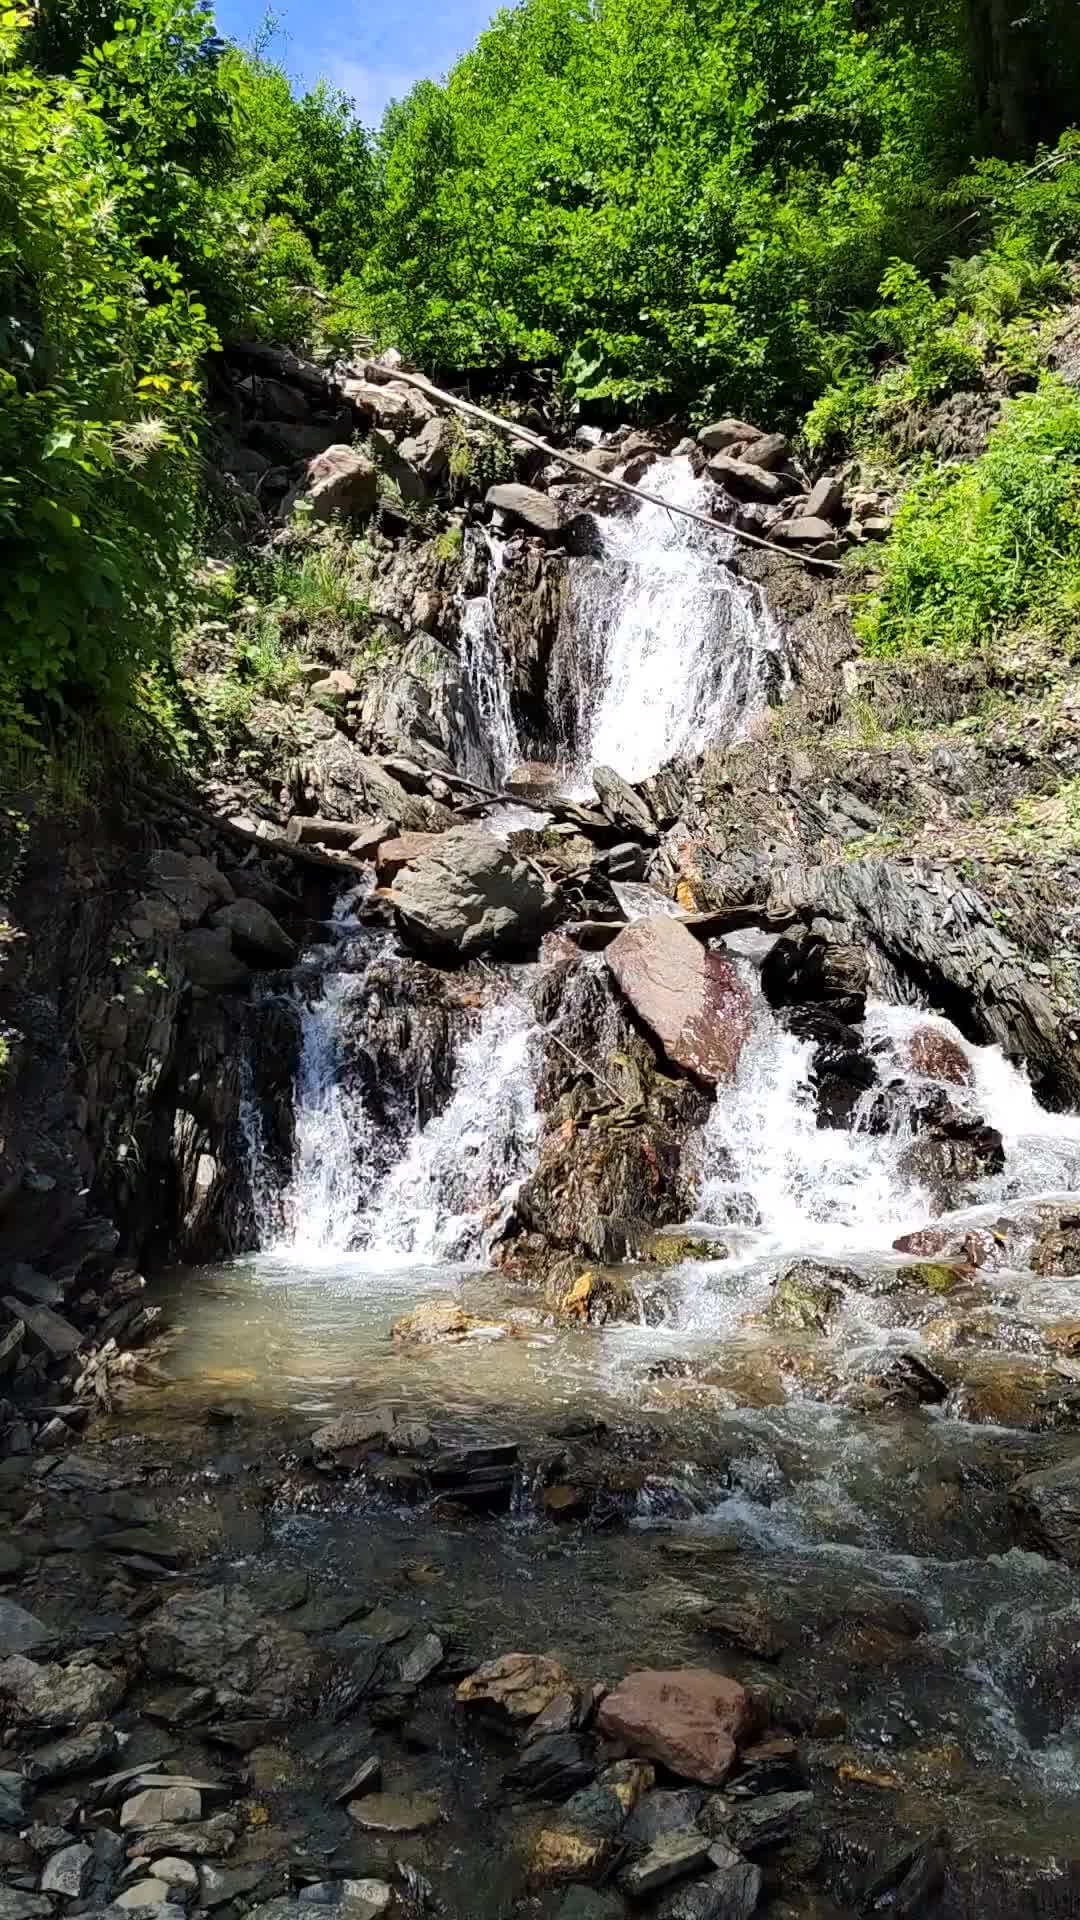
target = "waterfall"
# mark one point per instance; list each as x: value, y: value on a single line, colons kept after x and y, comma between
x: 801, y: 1190
x: 487, y: 668
x: 460, y: 1170
x: 672, y: 649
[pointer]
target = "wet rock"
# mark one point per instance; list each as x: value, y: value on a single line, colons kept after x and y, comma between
x: 348, y: 1440
x: 585, y: 1903
x: 468, y: 896
x: 342, y: 481
x: 68, y: 1871
x: 255, y: 934
x: 1047, y: 1506
x: 14, y: 1792
x: 21, y: 1631
x: 624, y: 807
x: 798, y: 969
x: 1058, y: 1249
x: 687, y: 1718
x: 397, y: 1812
x: 206, y: 956
x: 580, y: 1841
x: 200, y: 1840
x: 515, y: 1687
x: 421, y: 1660
x: 672, y: 1857
x: 691, y: 998
x: 77, y: 1754
x: 841, y: 1071
x: 954, y: 1151
x: 937, y: 1055
x: 54, y: 1696
x: 959, y: 1247
x: 537, y: 511
x: 673, y: 1249
x: 434, y: 1322
x: 805, y: 1299
x: 765, y: 1821
x: 550, y: 1768
x: 215, y: 1637
x: 662, y: 1812
x: 796, y: 1606
x: 731, y: 1892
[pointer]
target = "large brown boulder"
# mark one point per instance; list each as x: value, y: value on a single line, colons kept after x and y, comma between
x: 688, y: 1718
x: 939, y: 1056
x: 689, y: 996
x: 340, y: 481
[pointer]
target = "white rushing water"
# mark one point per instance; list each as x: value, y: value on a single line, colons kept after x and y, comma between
x: 459, y: 1171
x: 672, y: 648
x: 487, y: 669
x: 805, y: 1190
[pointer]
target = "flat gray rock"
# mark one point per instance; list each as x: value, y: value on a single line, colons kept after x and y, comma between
x: 20, y: 1631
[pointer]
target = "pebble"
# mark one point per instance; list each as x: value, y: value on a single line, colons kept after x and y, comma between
x: 176, y: 1872
x: 21, y: 1631
x: 396, y: 1812
x: 145, y: 1893
x: 672, y: 1857
x: 161, y: 1806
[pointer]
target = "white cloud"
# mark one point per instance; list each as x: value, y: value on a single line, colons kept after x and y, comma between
x: 372, y: 88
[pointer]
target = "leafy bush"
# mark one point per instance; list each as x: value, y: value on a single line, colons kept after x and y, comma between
x: 100, y: 401
x: 986, y: 548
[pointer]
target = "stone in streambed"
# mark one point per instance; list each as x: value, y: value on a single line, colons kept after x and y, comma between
x: 150, y: 1892
x: 624, y: 807
x: 77, y: 1754
x: 1047, y: 1505
x: 469, y: 895
x: 579, y: 1841
x: 515, y: 1687
x: 804, y: 1299
x: 535, y: 510
x: 690, y: 997
x: 396, y: 1812
x: 747, y: 482
x: 50, y: 1696
x: 938, y: 1056
x: 207, y: 957
x: 68, y: 1871
x: 673, y: 1857
x: 687, y: 1718
x: 731, y: 1891
x: 1058, y: 1250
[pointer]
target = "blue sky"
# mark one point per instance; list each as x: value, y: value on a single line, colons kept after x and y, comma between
x: 375, y: 49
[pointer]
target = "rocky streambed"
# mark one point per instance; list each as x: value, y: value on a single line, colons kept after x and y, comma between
x: 539, y: 1331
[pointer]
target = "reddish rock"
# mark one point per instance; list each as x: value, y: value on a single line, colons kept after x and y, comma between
x: 400, y: 852
x: 974, y: 1247
x: 691, y: 998
x: 689, y: 1719
x: 938, y: 1056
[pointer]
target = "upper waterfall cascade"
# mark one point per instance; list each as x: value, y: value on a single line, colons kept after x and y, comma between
x: 672, y: 648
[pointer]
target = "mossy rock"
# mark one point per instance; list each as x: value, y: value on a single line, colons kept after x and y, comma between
x: 933, y: 1276
x: 672, y: 1249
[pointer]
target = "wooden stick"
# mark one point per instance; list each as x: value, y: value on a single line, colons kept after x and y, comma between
x: 516, y: 432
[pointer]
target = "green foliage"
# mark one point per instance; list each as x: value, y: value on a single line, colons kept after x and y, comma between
x: 100, y: 400
x: 324, y: 584
x: 669, y: 199
x: 981, y: 316
x: 990, y: 546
